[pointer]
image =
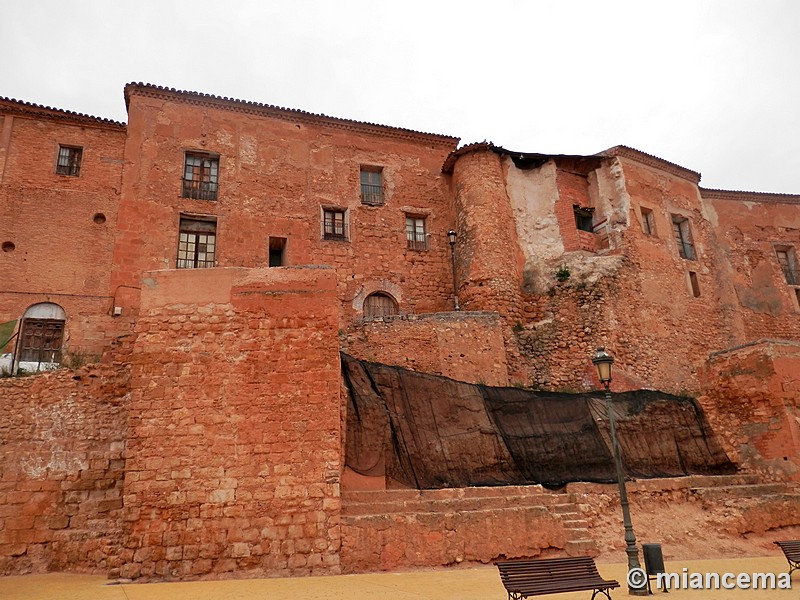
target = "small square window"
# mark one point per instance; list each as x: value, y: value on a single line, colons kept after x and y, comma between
x: 69, y: 161
x: 372, y: 186
x: 584, y: 218
x: 416, y: 233
x: 648, y: 221
x: 334, y: 224
x: 277, y: 251
x: 683, y: 236
x: 200, y: 176
x: 694, y: 283
x: 197, y: 241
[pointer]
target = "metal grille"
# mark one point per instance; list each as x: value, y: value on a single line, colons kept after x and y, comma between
x: 200, y: 177
x: 197, y: 244
x: 69, y: 161
x: 41, y: 340
x: 415, y: 234
x: 372, y: 187
x: 334, y: 226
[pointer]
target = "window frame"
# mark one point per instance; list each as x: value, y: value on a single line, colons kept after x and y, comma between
x: 330, y: 231
x: 371, y: 193
x: 413, y: 234
x: 73, y: 158
x: 204, y: 181
x: 648, y: 221
x: 190, y: 226
x: 584, y: 217
x: 789, y: 268
x: 682, y: 232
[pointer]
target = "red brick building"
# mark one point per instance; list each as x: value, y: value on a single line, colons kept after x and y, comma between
x: 217, y: 254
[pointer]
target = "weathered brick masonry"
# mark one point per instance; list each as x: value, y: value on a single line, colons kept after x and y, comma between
x: 222, y: 455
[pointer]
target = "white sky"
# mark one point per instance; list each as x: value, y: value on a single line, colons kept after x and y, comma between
x: 711, y: 85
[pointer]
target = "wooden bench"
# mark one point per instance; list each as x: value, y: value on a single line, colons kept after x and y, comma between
x: 791, y: 549
x: 536, y: 577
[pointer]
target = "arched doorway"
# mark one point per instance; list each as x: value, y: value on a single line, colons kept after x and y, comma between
x: 41, y: 336
x: 380, y: 304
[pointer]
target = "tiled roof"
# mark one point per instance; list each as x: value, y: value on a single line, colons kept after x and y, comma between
x: 652, y: 161
x: 292, y: 114
x: 18, y: 107
x: 743, y: 196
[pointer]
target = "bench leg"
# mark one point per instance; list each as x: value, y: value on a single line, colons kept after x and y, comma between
x: 601, y: 592
x: 794, y: 565
x: 515, y: 596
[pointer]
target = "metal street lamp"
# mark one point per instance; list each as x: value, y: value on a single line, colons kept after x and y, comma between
x: 603, y: 361
x: 451, y: 236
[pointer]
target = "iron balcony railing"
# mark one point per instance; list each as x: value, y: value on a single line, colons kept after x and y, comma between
x: 199, y: 190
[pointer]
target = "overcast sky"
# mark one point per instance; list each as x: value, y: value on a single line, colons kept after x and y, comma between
x: 711, y: 85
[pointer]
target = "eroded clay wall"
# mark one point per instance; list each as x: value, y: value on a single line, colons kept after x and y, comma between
x: 752, y: 398
x: 751, y: 228
x: 58, y: 231
x: 234, y: 440
x: 62, y: 460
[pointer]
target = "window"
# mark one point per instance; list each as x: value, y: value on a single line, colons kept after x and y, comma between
x: 683, y: 236
x: 277, y: 251
x: 372, y: 185
x: 200, y: 176
x: 786, y: 259
x: 648, y: 221
x: 416, y: 237
x: 380, y: 304
x: 197, y: 244
x: 41, y: 341
x: 583, y: 217
x: 69, y: 161
x: 334, y: 226
x: 694, y: 284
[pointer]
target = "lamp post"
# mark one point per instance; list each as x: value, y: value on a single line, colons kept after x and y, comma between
x: 603, y: 361
x: 451, y: 236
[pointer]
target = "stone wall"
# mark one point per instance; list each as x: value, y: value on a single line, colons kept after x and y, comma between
x: 752, y: 399
x: 62, y: 460
x: 467, y: 346
x: 234, y: 443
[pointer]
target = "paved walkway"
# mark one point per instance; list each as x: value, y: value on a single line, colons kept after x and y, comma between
x: 452, y: 584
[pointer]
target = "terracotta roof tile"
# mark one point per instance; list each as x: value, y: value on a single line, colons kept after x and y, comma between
x: 12, y: 106
x: 148, y: 89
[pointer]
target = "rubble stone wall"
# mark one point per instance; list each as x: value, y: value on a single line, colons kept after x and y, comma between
x: 234, y: 443
x: 62, y: 464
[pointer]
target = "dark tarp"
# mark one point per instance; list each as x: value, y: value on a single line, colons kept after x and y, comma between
x: 431, y: 432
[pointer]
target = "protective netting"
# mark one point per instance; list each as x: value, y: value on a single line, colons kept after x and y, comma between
x: 431, y: 432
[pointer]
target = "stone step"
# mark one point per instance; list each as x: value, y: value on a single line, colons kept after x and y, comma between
x: 581, y: 547
x: 442, y: 506
x: 730, y: 492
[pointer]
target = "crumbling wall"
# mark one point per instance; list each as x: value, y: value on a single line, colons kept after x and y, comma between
x: 62, y: 460
x: 752, y: 398
x: 234, y: 444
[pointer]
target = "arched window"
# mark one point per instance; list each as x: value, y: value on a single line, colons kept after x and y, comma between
x: 41, y: 337
x: 380, y: 304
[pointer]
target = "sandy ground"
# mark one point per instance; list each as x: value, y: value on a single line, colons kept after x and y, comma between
x: 451, y: 584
